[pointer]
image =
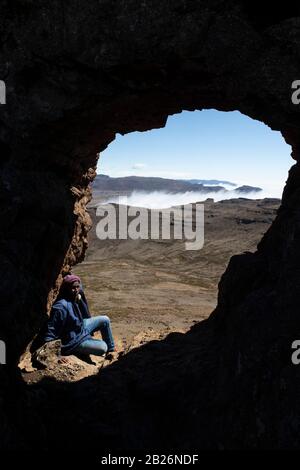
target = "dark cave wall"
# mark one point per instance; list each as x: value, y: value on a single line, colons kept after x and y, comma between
x: 76, y: 74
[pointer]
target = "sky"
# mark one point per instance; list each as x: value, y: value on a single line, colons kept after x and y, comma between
x: 205, y: 144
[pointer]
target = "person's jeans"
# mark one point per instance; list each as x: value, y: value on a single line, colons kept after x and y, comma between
x: 97, y: 347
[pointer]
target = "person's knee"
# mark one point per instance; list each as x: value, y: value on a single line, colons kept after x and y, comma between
x: 106, y: 319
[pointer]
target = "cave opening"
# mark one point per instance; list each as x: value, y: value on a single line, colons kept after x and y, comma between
x: 149, y: 287
x: 132, y: 370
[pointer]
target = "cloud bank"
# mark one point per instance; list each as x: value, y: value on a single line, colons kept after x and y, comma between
x: 161, y: 199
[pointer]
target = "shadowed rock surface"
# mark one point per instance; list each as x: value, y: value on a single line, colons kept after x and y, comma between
x: 76, y: 74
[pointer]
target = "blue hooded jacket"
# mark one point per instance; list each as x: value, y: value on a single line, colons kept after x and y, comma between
x: 66, y: 323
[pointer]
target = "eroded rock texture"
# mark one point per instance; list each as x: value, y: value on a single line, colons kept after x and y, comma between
x: 76, y: 74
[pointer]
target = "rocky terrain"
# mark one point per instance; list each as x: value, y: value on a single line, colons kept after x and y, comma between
x: 151, y: 288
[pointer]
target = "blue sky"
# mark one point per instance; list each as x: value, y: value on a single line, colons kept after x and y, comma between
x: 206, y: 145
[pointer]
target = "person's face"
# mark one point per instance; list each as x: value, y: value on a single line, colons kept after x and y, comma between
x: 74, y: 289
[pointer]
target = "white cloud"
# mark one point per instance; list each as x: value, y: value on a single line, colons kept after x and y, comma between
x: 163, y: 199
x: 138, y: 166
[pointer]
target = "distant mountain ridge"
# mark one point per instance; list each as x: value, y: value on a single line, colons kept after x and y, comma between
x: 217, y: 182
x: 149, y: 183
x: 104, y: 183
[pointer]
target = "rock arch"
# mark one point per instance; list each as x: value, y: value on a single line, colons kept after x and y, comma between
x: 74, y: 77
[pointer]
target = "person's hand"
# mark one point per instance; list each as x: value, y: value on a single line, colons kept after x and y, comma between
x: 111, y: 356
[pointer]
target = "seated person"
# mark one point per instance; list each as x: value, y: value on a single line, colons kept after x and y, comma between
x: 71, y: 322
